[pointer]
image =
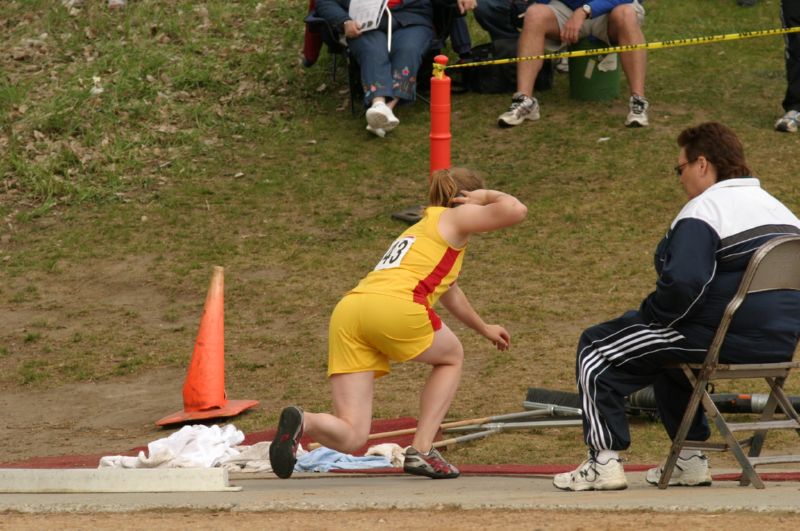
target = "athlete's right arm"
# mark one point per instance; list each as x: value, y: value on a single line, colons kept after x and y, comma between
x: 483, y: 211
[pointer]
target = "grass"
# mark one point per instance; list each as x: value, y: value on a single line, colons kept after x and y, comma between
x: 211, y: 145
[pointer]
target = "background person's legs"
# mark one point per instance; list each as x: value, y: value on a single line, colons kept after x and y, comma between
x: 446, y: 356
x: 624, y: 28
x: 409, y: 45
x: 540, y: 23
x: 790, y: 13
x: 460, y: 38
x: 376, y: 69
x: 347, y: 429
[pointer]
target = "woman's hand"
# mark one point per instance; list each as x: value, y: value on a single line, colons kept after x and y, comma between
x: 352, y: 29
x: 474, y: 197
x: 499, y: 336
x: 466, y: 5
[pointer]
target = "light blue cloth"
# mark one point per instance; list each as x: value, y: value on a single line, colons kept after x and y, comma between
x: 324, y: 459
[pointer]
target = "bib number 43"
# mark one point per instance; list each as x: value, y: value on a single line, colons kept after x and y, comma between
x: 394, y: 256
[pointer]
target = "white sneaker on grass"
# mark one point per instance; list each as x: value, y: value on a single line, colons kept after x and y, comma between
x: 522, y: 108
x: 637, y: 112
x: 380, y: 116
x: 691, y: 472
x: 789, y: 122
x: 593, y: 475
x: 377, y: 131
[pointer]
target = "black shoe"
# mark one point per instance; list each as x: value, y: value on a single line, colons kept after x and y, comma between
x: 283, y: 449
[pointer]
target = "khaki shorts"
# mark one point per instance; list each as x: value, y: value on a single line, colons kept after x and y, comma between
x: 368, y: 330
x: 594, y: 27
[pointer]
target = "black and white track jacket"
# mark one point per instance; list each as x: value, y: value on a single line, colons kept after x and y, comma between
x: 701, y: 261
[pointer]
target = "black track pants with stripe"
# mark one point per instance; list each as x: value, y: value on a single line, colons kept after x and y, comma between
x: 624, y: 355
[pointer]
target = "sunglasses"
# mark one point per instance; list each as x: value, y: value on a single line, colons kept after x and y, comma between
x: 679, y: 168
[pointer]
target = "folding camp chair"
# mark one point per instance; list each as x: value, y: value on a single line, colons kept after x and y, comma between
x: 773, y: 266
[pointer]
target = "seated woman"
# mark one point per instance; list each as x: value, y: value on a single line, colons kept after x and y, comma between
x: 387, y: 76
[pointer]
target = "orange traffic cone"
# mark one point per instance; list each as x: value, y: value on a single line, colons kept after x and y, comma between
x: 204, y: 389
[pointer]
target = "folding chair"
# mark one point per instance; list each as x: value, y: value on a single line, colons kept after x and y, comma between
x: 773, y: 266
x: 337, y: 48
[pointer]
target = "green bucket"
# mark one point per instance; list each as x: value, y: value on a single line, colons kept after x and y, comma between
x: 593, y: 78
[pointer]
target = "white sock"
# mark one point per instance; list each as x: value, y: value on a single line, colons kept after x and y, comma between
x: 686, y: 454
x: 604, y: 456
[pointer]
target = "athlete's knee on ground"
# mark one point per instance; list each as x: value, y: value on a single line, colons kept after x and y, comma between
x: 354, y: 442
x: 355, y: 439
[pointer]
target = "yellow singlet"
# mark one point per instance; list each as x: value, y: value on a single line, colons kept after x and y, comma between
x: 389, y: 314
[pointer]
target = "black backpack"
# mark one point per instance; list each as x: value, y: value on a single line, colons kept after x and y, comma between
x: 497, y: 79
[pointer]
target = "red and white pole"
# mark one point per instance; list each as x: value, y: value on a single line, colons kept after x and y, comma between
x: 440, y: 115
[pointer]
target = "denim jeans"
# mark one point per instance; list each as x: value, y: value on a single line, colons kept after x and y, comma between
x: 391, y: 74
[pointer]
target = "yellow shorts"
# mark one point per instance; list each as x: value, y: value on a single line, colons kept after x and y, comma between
x: 367, y: 330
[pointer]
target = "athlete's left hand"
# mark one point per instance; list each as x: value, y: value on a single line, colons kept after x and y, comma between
x: 499, y: 336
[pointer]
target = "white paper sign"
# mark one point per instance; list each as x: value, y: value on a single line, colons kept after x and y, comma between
x: 394, y: 256
x: 367, y: 12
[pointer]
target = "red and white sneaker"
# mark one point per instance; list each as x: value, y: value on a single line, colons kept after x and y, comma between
x: 283, y: 449
x: 431, y: 464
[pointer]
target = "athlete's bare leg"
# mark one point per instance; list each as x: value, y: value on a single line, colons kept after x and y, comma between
x: 446, y: 355
x: 347, y: 429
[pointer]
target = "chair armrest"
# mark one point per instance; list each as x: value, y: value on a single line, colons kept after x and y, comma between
x: 331, y: 36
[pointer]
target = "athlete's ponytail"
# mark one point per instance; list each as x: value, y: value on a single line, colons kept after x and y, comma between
x: 446, y: 184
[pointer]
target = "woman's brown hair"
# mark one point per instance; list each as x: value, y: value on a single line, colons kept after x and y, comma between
x: 445, y: 185
x: 719, y: 145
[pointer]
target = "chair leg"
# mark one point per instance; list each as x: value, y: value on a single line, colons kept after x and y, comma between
x: 757, y: 440
x: 766, y: 415
x: 780, y: 395
x: 683, y: 429
x: 335, y: 64
x: 748, y: 471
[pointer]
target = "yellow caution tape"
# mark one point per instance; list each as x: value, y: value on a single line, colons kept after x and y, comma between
x: 438, y: 70
x: 634, y: 47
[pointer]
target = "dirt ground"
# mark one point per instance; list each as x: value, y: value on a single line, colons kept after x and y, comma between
x: 555, y: 520
x: 88, y: 418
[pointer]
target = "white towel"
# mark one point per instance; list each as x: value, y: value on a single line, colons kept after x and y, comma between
x: 192, y: 446
x: 391, y: 451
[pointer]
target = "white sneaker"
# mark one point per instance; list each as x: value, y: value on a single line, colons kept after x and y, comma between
x: 522, y: 108
x: 377, y: 131
x: 592, y: 475
x: 789, y: 122
x: 637, y: 114
x: 380, y: 116
x: 691, y: 472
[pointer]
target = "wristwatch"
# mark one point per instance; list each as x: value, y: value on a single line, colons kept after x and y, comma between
x: 588, y: 10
